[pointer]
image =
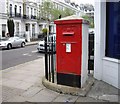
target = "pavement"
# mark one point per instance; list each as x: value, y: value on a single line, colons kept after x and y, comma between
x: 23, y: 83
x: 32, y: 43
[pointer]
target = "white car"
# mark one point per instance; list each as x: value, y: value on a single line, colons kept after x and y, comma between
x: 41, y: 44
x: 12, y: 42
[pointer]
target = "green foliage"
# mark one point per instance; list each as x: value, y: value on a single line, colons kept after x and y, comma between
x: 68, y: 12
x: 50, y: 12
x: 56, y: 13
x: 90, y: 19
x: 10, y: 24
x: 46, y: 9
x: 44, y: 30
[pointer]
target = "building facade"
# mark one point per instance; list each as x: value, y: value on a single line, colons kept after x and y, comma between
x: 67, y: 4
x: 107, y: 42
x: 26, y: 16
x: 3, y: 18
x: 15, y: 12
x: 30, y: 19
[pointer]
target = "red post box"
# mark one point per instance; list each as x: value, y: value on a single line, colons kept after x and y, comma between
x: 71, y: 51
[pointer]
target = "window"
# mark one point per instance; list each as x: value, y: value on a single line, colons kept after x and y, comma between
x: 10, y: 10
x: 31, y: 11
x: 113, y: 29
x: 26, y: 27
x: 3, y: 30
x: 34, y: 12
x: 20, y: 10
x: 27, y: 10
x: 15, y: 10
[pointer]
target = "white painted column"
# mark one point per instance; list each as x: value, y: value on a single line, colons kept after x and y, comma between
x: 6, y: 27
x: 27, y: 33
x: 0, y: 29
x: 100, y: 23
x: 15, y: 24
x: 84, y: 63
x: 30, y: 30
x: 36, y: 30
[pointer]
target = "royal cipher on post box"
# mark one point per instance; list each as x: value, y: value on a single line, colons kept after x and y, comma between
x: 71, y: 51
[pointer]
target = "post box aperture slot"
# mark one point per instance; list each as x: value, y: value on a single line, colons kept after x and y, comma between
x: 68, y: 33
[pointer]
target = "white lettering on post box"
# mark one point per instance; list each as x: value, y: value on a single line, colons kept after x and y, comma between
x: 68, y: 47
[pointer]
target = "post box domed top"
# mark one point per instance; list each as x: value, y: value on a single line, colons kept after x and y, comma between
x: 71, y: 19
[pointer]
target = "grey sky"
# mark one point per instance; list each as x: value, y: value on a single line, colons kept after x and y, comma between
x: 83, y: 1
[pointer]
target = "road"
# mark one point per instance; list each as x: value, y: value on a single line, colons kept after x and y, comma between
x: 18, y: 56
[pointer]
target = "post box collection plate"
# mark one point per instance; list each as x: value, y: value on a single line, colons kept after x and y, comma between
x: 68, y: 47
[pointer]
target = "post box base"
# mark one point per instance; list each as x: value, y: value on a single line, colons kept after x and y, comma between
x: 69, y: 80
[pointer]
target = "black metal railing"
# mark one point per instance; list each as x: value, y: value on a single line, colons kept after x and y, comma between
x: 91, y: 53
x: 33, y: 17
x: 18, y: 15
x: 12, y: 15
x: 25, y: 16
x: 50, y: 52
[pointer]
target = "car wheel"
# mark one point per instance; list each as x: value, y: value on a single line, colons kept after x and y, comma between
x: 22, y: 44
x: 9, y: 46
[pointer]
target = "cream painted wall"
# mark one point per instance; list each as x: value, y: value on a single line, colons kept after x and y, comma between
x: 84, y: 71
x: 105, y: 68
x: 110, y: 71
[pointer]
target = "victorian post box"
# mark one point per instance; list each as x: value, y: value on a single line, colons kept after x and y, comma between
x: 71, y: 51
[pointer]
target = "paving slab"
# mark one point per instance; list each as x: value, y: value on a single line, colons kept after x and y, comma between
x: 19, y: 77
x: 17, y: 99
x: 31, y: 92
x: 32, y: 73
x: 44, y: 95
x: 110, y: 98
x: 24, y: 85
x: 8, y: 75
x: 31, y: 79
x: 102, y: 90
x: 65, y: 98
x: 17, y: 71
x: 11, y: 83
x: 3, y: 80
x: 39, y: 84
x: 8, y: 93
x: 88, y: 99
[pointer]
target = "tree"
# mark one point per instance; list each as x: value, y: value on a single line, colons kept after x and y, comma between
x: 56, y: 13
x: 90, y: 19
x: 68, y: 12
x: 44, y: 30
x: 10, y: 24
x: 50, y: 12
x: 46, y: 9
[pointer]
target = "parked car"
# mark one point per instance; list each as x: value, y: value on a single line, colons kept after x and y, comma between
x: 41, y: 44
x: 11, y: 42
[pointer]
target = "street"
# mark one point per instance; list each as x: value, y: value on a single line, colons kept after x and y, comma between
x: 18, y: 56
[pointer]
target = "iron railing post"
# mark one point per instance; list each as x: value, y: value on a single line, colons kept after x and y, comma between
x: 52, y: 62
x: 46, y: 59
